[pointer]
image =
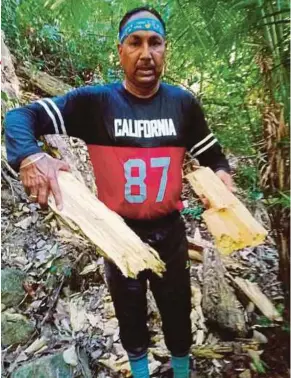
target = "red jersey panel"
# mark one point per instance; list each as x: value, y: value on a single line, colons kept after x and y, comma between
x: 138, y: 183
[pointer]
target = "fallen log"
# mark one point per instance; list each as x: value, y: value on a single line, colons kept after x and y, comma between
x: 228, y: 220
x: 219, y: 303
x: 47, y: 83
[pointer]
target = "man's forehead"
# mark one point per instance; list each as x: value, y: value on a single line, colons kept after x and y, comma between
x: 145, y: 34
x: 142, y: 14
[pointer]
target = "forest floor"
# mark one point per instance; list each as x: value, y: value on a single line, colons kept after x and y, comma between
x: 65, y: 299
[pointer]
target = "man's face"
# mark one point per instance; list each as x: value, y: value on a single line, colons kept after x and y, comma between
x: 142, y: 55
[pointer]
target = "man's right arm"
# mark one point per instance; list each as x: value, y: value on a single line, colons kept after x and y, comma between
x: 69, y: 114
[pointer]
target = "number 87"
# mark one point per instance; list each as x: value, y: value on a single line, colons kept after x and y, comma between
x: 162, y: 162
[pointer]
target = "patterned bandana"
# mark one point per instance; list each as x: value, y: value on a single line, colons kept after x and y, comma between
x: 141, y: 24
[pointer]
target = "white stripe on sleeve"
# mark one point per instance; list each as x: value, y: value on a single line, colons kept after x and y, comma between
x: 52, y: 117
x: 205, y: 147
x: 201, y: 142
x: 64, y: 131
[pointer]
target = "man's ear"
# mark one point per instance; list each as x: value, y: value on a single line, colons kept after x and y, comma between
x: 119, y: 48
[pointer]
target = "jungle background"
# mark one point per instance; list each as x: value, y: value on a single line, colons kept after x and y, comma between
x: 234, y: 56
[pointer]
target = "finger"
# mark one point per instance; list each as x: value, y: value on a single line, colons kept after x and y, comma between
x: 43, y: 196
x: 33, y: 194
x: 205, y: 201
x: 56, y: 192
x: 233, y: 189
x: 63, y: 166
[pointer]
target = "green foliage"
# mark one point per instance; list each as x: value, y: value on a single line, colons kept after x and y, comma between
x: 194, y: 212
x: 279, y: 198
x: 213, y: 47
x: 259, y: 366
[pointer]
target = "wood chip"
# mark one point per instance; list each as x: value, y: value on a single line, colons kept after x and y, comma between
x: 254, y: 293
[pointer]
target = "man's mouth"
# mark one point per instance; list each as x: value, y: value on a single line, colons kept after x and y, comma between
x: 146, y: 70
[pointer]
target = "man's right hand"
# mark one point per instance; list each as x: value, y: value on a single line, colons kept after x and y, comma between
x: 40, y: 177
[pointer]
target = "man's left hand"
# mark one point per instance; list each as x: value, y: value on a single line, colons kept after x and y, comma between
x: 227, y: 180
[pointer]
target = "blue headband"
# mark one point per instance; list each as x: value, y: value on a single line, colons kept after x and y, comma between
x: 146, y: 24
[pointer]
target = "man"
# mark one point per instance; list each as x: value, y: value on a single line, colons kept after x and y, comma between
x: 137, y: 133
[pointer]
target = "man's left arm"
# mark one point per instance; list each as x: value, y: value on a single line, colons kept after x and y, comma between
x: 203, y: 146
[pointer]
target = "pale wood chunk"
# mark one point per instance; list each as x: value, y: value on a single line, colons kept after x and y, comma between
x: 254, y: 293
x: 228, y: 220
x: 195, y: 255
x: 205, y: 182
x: 106, y: 229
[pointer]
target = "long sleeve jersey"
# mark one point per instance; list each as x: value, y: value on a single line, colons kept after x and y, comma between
x: 136, y: 146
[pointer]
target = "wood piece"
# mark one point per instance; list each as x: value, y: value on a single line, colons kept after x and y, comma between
x: 228, y: 220
x: 221, y: 349
x: 195, y: 255
x: 229, y: 263
x: 219, y: 303
x: 254, y: 293
x: 47, y: 83
x: 198, y: 244
x: 206, y: 183
x: 106, y: 229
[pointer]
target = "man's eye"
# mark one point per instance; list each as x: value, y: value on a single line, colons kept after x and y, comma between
x: 134, y: 43
x: 156, y: 43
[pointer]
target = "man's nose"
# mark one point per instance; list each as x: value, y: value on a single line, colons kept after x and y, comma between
x: 145, y: 52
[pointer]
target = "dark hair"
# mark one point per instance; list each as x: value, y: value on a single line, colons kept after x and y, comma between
x: 141, y: 9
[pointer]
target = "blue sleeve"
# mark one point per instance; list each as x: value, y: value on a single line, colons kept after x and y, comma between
x: 202, y: 143
x: 70, y: 114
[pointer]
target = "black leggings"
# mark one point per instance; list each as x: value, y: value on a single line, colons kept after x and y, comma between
x: 172, y: 292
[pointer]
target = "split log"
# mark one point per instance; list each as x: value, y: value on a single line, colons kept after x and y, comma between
x: 103, y: 227
x: 228, y: 220
x: 106, y: 229
x: 220, y: 305
x: 253, y: 292
x: 47, y: 83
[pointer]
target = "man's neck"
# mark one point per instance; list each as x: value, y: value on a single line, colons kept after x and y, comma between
x: 140, y: 92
